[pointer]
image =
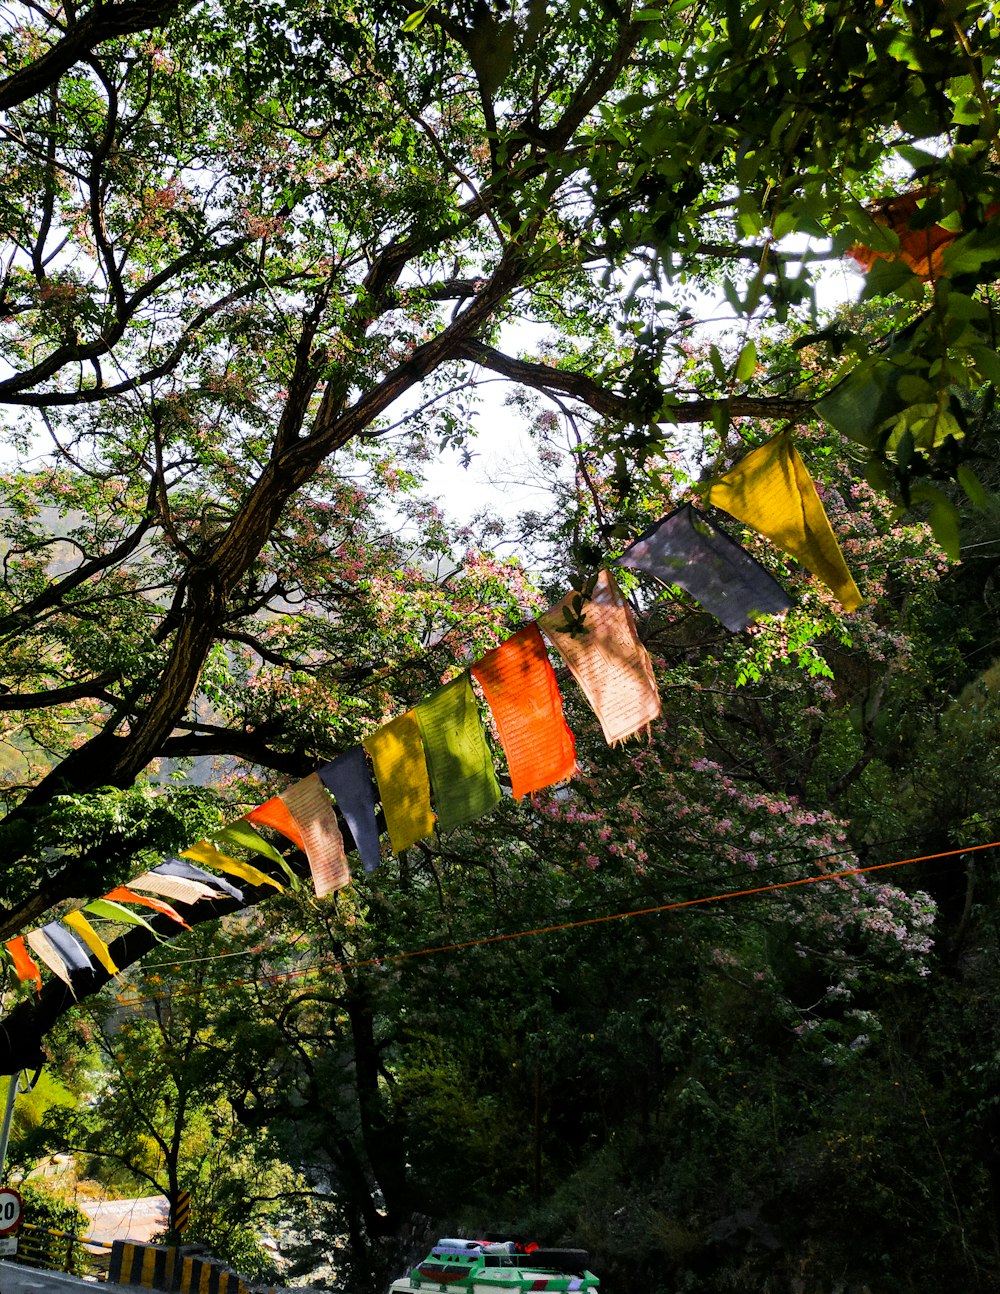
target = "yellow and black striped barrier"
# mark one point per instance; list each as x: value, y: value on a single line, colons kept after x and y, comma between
x: 151, y: 1266
x: 163, y: 1267
x: 205, y: 1276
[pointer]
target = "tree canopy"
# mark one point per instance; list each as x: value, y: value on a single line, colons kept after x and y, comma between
x: 238, y: 246
x: 257, y: 263
x: 729, y: 1093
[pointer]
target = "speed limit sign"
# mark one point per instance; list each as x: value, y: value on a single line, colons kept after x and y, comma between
x: 10, y: 1210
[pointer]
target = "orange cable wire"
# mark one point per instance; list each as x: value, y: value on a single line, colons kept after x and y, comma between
x: 568, y: 925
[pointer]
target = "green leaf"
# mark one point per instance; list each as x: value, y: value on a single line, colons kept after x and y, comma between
x: 750, y: 222
x: 917, y: 157
x: 904, y: 450
x: 862, y: 401
x: 746, y: 363
x: 732, y: 296
x: 960, y: 306
x: 914, y: 390
x: 944, y: 524
x: 806, y: 224
x: 968, y: 112
x: 888, y: 278
x: 929, y: 424
x: 877, y: 475
x: 972, y: 486
x: 784, y: 223
x: 987, y: 362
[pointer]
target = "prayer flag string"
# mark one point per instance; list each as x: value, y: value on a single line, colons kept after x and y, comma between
x: 432, y: 765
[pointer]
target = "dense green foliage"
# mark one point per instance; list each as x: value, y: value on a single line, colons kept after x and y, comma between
x: 43, y: 1209
x: 255, y: 262
x: 772, y: 1092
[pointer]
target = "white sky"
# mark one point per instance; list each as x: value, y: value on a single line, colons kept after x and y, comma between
x: 498, y: 475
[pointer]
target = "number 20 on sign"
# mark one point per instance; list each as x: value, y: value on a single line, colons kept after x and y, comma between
x: 10, y: 1210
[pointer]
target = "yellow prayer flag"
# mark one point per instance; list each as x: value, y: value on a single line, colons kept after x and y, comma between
x: 78, y: 922
x: 401, y: 772
x: 203, y: 852
x: 772, y: 491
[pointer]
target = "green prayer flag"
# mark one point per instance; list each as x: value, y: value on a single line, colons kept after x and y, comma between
x: 458, y: 758
x: 112, y: 911
x: 245, y: 834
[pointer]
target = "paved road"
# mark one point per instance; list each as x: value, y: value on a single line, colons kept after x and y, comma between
x: 125, y: 1219
x: 18, y: 1279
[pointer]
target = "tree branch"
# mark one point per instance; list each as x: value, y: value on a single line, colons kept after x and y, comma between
x: 60, y: 695
x: 15, y: 621
x: 17, y: 389
x: 103, y: 22
x: 207, y: 740
x: 609, y: 404
x: 23, y: 1028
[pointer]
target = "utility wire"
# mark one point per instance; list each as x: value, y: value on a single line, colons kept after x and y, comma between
x: 175, y: 963
x: 552, y: 929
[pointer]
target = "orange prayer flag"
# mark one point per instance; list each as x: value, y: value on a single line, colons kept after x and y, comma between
x: 24, y: 964
x: 122, y: 894
x: 520, y: 687
x: 274, y: 813
x: 922, y: 246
